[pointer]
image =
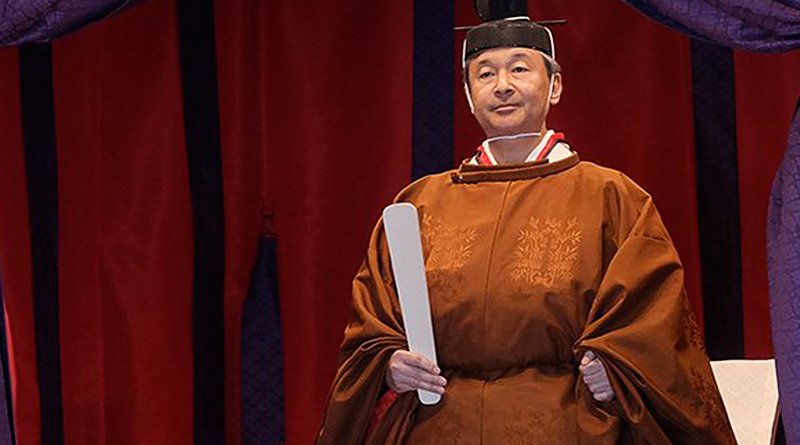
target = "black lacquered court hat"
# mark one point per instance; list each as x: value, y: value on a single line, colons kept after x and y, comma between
x: 508, y: 33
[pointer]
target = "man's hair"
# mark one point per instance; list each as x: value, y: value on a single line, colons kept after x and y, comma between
x: 550, y: 65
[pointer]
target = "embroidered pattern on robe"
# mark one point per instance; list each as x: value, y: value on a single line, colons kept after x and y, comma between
x: 690, y: 327
x: 547, y: 251
x: 530, y: 428
x: 447, y: 249
x: 712, y: 413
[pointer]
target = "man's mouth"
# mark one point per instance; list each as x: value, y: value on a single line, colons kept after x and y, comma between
x: 505, y: 108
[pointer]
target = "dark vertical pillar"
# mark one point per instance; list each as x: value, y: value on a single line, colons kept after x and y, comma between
x: 39, y: 139
x: 432, y: 120
x: 201, y: 119
x: 718, y: 198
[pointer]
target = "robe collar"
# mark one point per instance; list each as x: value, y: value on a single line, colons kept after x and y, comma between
x: 484, y: 155
x: 481, y: 168
x: 468, y: 173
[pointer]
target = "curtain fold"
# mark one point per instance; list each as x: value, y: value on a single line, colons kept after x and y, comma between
x: 26, y: 21
x: 126, y: 228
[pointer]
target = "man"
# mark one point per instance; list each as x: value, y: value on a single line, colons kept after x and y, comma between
x: 556, y: 293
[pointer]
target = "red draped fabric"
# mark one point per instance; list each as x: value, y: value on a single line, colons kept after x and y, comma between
x: 240, y: 43
x: 315, y: 118
x: 15, y: 255
x: 326, y: 123
x: 337, y: 94
x: 125, y: 232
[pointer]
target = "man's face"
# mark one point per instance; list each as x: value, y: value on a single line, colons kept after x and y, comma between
x: 509, y: 89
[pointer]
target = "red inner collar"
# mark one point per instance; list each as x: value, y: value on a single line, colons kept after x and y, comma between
x: 483, y: 158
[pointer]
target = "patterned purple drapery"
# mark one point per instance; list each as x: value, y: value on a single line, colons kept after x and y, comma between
x: 761, y: 26
x: 26, y: 21
x: 783, y: 252
x: 767, y: 26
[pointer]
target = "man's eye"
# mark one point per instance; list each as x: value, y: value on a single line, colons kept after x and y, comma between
x: 485, y: 75
x: 520, y: 69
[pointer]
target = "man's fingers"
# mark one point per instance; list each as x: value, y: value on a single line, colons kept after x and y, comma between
x: 422, y: 381
x: 417, y: 361
x: 421, y: 362
x: 422, y: 384
x: 407, y: 368
x: 394, y: 385
x: 603, y: 396
x: 598, y: 385
x: 593, y: 374
x: 592, y: 368
x: 597, y: 379
x: 409, y: 371
x: 416, y: 378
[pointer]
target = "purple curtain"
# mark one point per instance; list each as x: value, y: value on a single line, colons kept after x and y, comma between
x: 753, y: 25
x: 26, y: 21
x: 761, y: 26
x: 783, y: 248
x: 263, y: 412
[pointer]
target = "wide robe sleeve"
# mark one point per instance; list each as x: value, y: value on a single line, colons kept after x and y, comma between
x: 374, y: 333
x: 640, y: 324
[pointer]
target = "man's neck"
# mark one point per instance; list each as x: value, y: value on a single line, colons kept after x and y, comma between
x: 514, y: 151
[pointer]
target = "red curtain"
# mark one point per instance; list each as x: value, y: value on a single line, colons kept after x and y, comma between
x: 315, y: 109
x: 15, y: 255
x: 321, y: 98
x: 338, y: 131
x: 125, y: 232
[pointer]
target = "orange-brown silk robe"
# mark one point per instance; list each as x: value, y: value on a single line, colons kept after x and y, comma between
x: 528, y: 267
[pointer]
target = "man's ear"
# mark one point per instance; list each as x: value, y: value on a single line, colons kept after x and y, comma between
x: 557, y: 89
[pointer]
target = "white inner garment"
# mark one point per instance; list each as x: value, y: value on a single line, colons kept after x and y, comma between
x: 560, y: 150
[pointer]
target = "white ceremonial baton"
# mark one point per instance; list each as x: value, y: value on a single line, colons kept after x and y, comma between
x: 405, y: 248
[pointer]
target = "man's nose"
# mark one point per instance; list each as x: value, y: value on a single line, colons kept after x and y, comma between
x: 503, y: 85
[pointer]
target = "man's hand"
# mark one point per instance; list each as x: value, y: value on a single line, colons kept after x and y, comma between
x: 595, y: 377
x: 408, y: 371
